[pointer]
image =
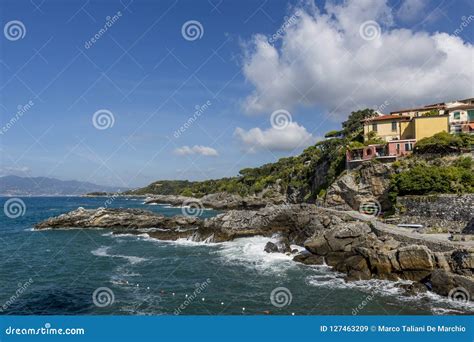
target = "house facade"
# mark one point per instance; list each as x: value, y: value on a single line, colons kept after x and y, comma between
x: 401, y: 129
x: 461, y: 119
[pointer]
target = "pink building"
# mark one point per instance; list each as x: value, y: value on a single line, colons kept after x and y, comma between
x: 388, y: 152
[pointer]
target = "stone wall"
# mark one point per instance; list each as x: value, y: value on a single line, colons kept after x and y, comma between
x: 439, y: 212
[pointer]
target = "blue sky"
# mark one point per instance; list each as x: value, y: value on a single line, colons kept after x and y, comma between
x: 150, y: 79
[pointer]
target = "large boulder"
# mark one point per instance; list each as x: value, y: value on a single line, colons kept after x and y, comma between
x: 415, y: 257
x: 457, y: 287
x: 469, y: 229
x: 356, y: 268
x: 369, y: 182
x: 309, y: 259
x: 343, y: 238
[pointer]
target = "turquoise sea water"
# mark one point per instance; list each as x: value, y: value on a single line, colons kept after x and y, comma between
x: 58, y: 272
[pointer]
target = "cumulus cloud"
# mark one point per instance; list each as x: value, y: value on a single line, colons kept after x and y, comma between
x: 196, y: 149
x: 411, y: 9
x: 291, y: 137
x: 332, y: 59
x: 14, y: 170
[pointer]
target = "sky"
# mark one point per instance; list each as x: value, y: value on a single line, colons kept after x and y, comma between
x: 127, y: 92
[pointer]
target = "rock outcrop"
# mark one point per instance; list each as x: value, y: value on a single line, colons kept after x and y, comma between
x: 350, y: 245
x: 354, y: 248
x: 368, y: 182
x: 218, y: 201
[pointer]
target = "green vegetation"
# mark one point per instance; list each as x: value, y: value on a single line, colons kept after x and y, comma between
x: 444, y: 143
x: 423, y: 178
x: 433, y: 112
x: 333, y: 134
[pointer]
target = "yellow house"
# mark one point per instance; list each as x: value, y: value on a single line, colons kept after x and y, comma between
x: 401, y: 127
x: 387, y: 127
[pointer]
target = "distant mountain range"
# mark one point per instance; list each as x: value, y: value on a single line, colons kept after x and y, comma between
x: 43, y: 186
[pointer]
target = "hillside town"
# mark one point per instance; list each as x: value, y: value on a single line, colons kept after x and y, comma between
x: 397, y: 133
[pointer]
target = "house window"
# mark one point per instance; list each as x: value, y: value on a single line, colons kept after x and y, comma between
x: 374, y: 127
x: 457, y: 115
x: 470, y: 114
x: 394, y: 126
x: 408, y: 147
x: 398, y: 148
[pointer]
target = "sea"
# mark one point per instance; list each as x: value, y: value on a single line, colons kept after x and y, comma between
x: 95, y: 272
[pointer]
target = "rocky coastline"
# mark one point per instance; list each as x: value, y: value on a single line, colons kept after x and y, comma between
x: 357, y: 245
x: 217, y: 201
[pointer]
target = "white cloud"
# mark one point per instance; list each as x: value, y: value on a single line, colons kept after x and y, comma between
x: 411, y: 9
x: 324, y: 61
x: 293, y: 136
x: 14, y: 170
x: 196, y: 149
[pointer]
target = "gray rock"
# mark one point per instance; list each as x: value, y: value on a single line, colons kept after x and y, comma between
x: 415, y: 258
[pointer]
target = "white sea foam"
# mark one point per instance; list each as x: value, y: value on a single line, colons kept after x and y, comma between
x: 103, y: 252
x: 249, y: 252
x: 389, y: 288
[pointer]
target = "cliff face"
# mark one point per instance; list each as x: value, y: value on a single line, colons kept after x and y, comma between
x: 368, y: 183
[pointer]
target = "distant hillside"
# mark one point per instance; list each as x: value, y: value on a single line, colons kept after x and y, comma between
x: 43, y: 186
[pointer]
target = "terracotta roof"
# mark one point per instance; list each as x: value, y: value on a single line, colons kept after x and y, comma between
x: 471, y: 126
x: 388, y: 117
